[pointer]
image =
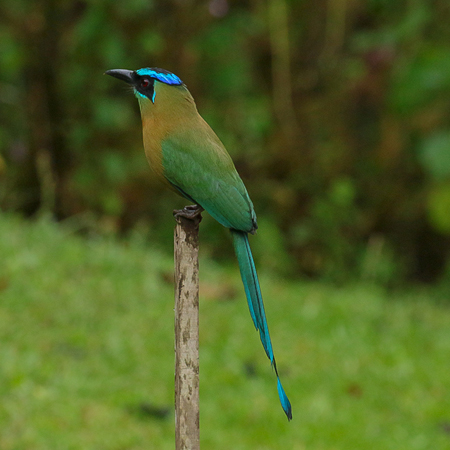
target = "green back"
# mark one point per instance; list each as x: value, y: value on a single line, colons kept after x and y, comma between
x: 196, y: 163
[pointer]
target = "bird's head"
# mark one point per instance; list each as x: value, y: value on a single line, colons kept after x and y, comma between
x: 149, y: 81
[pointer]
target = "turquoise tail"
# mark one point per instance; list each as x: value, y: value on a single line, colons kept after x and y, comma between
x: 256, y: 305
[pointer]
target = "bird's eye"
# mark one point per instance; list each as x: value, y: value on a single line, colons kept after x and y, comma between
x: 145, y: 83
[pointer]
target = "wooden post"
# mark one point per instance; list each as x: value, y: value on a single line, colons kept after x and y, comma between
x: 187, y: 413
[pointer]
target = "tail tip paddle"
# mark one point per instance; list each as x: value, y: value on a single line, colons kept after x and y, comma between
x: 285, y: 403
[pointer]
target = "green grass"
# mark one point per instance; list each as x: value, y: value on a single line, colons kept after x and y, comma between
x: 86, y: 337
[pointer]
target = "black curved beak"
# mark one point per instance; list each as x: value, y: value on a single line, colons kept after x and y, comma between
x: 129, y: 76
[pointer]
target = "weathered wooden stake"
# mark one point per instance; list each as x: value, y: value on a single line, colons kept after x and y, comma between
x: 187, y: 413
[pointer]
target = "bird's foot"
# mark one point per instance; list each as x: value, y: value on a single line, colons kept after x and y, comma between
x: 191, y: 212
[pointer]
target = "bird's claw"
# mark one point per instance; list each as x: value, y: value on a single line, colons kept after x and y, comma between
x: 191, y: 212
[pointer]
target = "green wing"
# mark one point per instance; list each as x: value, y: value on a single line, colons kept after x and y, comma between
x: 199, y: 167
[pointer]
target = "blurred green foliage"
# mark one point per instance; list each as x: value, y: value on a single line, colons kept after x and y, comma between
x: 336, y: 114
x: 87, y: 353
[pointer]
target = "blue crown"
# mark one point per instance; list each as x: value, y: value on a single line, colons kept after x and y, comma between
x: 162, y: 75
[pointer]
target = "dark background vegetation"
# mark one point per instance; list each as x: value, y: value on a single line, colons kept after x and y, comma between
x: 336, y: 114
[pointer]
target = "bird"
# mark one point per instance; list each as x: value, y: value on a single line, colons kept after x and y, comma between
x: 187, y: 155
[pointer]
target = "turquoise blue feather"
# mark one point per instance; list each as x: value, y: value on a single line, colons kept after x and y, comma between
x: 161, y: 75
x: 256, y: 305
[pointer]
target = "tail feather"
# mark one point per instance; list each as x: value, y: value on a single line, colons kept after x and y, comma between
x: 256, y: 305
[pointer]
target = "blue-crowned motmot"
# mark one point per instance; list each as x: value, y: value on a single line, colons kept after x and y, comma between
x: 187, y: 155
